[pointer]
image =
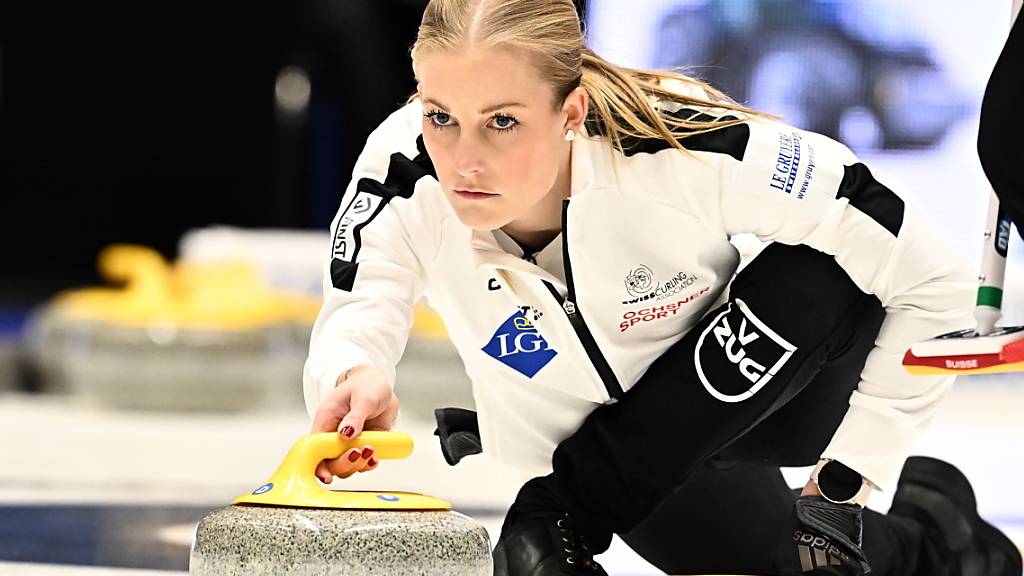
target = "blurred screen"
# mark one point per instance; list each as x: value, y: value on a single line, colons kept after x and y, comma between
x: 901, y: 83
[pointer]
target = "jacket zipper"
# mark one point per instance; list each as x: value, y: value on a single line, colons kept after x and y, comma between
x: 604, y: 370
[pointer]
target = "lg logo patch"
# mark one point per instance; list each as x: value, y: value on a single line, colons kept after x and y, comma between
x: 738, y: 354
x: 519, y: 345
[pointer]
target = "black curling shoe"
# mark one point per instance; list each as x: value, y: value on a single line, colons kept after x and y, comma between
x: 544, y: 547
x: 938, y: 496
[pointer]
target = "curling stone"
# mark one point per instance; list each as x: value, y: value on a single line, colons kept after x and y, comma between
x: 293, y: 525
x: 185, y: 337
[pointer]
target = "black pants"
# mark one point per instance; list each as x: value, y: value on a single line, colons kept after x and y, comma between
x: 685, y: 465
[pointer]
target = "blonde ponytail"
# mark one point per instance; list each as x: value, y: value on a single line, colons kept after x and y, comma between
x: 621, y: 104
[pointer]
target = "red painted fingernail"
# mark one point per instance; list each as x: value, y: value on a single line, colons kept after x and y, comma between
x: 367, y: 452
x: 348, y: 431
x: 373, y: 462
x: 353, y: 456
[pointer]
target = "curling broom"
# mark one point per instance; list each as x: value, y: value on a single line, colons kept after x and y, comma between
x: 986, y: 349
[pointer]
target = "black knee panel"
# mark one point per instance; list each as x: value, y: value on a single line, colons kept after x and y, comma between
x: 797, y: 289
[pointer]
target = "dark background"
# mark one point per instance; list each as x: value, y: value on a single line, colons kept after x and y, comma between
x: 136, y: 121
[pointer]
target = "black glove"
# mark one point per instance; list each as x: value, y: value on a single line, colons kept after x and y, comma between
x: 823, y: 539
x: 458, y: 432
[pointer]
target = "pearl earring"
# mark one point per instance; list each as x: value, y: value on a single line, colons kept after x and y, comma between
x: 570, y: 136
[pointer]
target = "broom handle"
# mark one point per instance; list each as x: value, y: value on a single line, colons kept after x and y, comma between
x: 993, y: 257
x: 993, y: 268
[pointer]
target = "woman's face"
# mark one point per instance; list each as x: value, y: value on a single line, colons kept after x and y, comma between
x: 492, y: 131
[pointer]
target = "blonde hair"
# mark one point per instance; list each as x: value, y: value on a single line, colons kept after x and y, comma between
x: 620, y: 106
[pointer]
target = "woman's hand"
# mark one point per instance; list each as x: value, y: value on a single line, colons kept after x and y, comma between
x: 362, y: 400
x: 810, y: 489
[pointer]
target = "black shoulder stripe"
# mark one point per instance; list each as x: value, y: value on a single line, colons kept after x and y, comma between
x: 371, y: 198
x: 403, y: 174
x: 343, y: 274
x: 872, y: 197
x: 732, y: 140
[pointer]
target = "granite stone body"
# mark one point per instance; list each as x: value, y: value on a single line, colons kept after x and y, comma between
x: 170, y: 369
x: 268, y: 540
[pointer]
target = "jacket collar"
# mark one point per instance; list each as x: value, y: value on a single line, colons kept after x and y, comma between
x: 487, y: 251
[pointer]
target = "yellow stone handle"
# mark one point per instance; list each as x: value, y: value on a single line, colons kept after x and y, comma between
x: 299, y: 466
x: 295, y: 483
x: 312, y: 448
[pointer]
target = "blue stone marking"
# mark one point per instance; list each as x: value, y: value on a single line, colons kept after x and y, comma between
x: 388, y: 497
x: 263, y: 489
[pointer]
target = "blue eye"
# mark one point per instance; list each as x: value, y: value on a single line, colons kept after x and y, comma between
x: 439, y: 119
x: 499, y: 122
x: 504, y: 123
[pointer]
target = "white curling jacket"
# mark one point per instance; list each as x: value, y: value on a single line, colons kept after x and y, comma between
x: 646, y: 253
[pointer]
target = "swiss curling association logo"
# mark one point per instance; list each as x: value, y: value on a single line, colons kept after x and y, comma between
x: 518, y: 345
x: 639, y: 281
x: 641, y: 285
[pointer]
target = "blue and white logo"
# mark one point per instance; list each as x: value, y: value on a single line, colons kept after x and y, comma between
x: 262, y: 489
x: 518, y: 345
x: 388, y: 497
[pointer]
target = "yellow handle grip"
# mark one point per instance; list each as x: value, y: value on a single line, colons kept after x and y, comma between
x: 295, y: 484
x: 386, y: 445
x: 300, y: 463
